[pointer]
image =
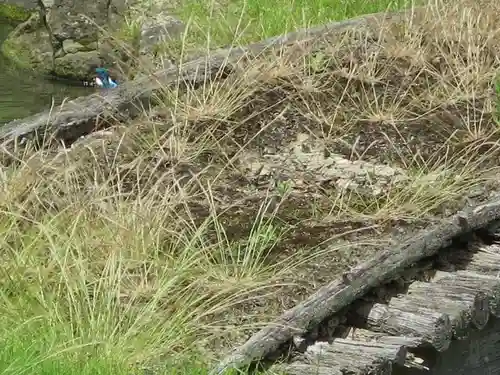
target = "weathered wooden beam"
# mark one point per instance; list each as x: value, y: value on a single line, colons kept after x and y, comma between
x: 348, y: 356
x: 335, y: 296
x: 461, y: 304
x: 78, y: 117
x: 486, y: 261
x: 472, y: 282
x: 305, y: 369
x: 408, y: 318
x: 361, y: 334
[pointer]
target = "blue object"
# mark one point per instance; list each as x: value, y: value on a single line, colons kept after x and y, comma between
x: 103, y: 79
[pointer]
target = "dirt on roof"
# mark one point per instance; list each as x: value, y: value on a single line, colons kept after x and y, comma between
x: 308, y: 160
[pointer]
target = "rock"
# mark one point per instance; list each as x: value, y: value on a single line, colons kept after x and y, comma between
x: 77, y: 64
x: 16, y: 11
x: 59, y: 29
x: 70, y: 46
x: 159, y: 29
x: 29, y: 46
x: 65, y: 32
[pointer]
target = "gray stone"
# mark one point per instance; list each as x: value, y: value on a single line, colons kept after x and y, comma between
x: 75, y: 29
x: 70, y: 46
x: 76, y: 65
x: 159, y: 29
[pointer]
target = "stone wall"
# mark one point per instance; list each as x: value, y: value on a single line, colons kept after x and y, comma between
x: 62, y: 37
x: 69, y: 38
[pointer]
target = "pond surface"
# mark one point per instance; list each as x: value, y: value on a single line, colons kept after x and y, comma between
x: 23, y: 93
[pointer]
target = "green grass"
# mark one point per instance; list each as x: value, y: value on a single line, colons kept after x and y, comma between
x: 255, y: 19
x: 232, y: 22
x: 34, y: 346
x: 496, y: 86
x: 13, y: 14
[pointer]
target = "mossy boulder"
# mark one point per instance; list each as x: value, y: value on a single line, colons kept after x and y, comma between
x: 64, y: 37
x: 28, y: 46
x: 14, y: 14
x: 76, y: 65
x: 68, y: 38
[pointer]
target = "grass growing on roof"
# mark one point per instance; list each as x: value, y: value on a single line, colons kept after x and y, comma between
x: 170, y: 239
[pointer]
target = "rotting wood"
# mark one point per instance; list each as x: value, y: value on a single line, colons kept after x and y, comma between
x: 304, y: 369
x: 360, y: 334
x: 81, y: 116
x: 473, y: 282
x: 321, y: 332
x: 478, y: 257
x: 351, y: 357
x: 408, y: 318
x: 417, y: 363
x: 461, y: 304
x: 333, y: 297
x: 486, y: 261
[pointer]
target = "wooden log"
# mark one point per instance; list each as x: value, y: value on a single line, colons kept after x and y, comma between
x: 462, y: 305
x: 335, y: 296
x: 361, y: 334
x: 355, y: 357
x: 486, y: 261
x: 304, y: 369
x: 493, y: 230
x: 407, y: 318
x: 473, y: 282
x: 81, y: 116
x: 321, y: 332
x: 479, y: 258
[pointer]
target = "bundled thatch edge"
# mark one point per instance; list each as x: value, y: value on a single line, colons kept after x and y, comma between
x: 84, y: 115
x: 340, y: 293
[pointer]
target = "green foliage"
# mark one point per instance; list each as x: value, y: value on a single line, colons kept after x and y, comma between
x: 13, y: 13
x: 244, y: 21
x: 16, y: 52
x: 497, y: 101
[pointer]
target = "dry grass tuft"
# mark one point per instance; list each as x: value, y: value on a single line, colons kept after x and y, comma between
x: 186, y: 229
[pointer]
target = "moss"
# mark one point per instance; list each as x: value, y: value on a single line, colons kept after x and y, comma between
x: 14, y: 13
x: 20, y: 52
x: 17, y: 53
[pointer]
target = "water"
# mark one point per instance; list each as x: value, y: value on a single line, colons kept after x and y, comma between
x: 23, y: 93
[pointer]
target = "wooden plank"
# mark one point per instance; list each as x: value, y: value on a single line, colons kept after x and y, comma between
x: 409, y: 317
x: 345, y: 356
x: 486, y: 261
x: 461, y: 304
x: 304, y: 369
x: 474, y: 282
x: 335, y: 296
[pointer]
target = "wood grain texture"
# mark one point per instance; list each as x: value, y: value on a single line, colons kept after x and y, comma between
x: 407, y: 317
x: 345, y: 356
x: 461, y: 304
x: 474, y: 282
